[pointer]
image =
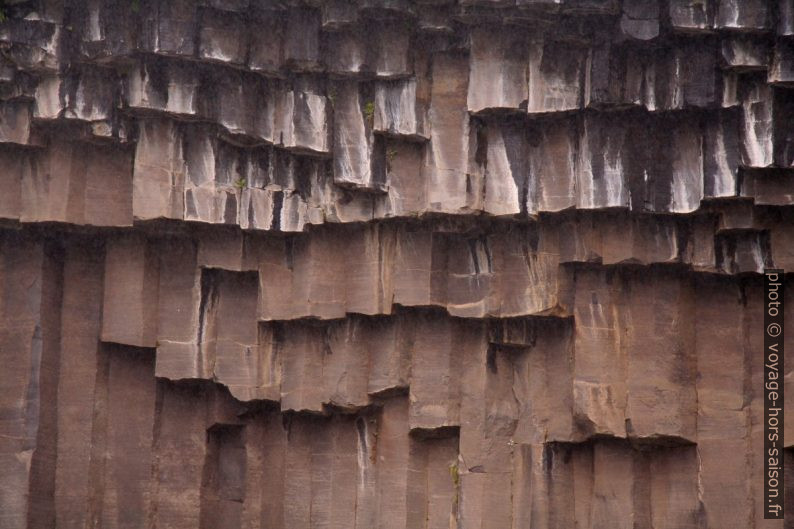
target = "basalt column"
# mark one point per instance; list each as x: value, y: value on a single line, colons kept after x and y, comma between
x: 391, y: 264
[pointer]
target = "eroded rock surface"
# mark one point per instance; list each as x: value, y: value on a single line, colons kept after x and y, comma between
x: 390, y: 264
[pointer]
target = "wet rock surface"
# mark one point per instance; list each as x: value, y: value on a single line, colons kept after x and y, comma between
x: 389, y: 264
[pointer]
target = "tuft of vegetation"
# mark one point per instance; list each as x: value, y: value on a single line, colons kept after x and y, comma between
x: 454, y: 474
x: 240, y: 183
x: 369, y: 111
x: 135, y: 5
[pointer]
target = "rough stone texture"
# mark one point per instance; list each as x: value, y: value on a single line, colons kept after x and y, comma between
x: 390, y: 264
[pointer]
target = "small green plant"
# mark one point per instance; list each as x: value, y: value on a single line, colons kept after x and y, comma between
x: 369, y: 111
x: 331, y: 95
x: 454, y: 474
x: 240, y: 183
x: 135, y: 5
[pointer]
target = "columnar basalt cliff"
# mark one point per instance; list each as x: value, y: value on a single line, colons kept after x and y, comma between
x: 393, y: 264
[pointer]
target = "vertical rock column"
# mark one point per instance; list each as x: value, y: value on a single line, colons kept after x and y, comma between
x: 599, y: 385
x: 721, y: 404
x: 131, y: 401
x: 129, y: 310
x: 179, y: 298
x: 30, y: 325
x: 82, y: 382
x: 237, y: 362
x: 448, y: 189
x: 159, y: 174
x: 488, y: 419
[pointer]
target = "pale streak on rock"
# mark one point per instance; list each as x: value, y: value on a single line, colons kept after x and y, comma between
x: 353, y: 141
x: 720, y: 155
x: 555, y: 76
x: 687, y: 169
x: 601, y: 178
x: 301, y: 121
x: 398, y: 111
x: 163, y: 86
x: 48, y: 100
x: 552, y: 165
x: 506, y: 167
x: 391, y: 44
x: 756, y: 128
x: 220, y: 38
x: 498, y: 75
x: 745, y: 53
x: 346, y: 53
x: 746, y: 15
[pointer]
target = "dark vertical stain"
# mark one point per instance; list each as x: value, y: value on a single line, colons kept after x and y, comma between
x: 278, y: 204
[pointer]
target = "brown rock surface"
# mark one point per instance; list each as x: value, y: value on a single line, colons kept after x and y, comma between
x: 390, y: 264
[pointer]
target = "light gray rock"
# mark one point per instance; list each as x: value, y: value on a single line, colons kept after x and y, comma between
x: 354, y: 114
x: 749, y: 15
x: 399, y: 111
x: 555, y: 76
x: 498, y: 75
x: 605, y: 149
x: 756, y: 126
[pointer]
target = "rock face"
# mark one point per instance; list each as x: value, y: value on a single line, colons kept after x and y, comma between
x: 390, y: 264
